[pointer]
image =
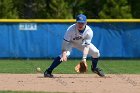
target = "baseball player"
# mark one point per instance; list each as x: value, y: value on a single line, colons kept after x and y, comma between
x: 79, y: 36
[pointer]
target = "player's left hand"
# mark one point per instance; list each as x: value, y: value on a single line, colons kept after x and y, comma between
x: 83, y: 60
x: 81, y: 67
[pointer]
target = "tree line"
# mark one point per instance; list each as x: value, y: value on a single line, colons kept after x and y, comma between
x: 68, y: 9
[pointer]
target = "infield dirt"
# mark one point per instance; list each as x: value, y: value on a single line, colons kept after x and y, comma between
x: 89, y: 83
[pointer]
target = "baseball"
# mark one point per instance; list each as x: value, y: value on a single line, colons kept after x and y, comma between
x: 38, y: 69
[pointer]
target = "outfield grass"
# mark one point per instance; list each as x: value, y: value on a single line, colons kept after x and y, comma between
x: 29, y: 66
x: 26, y: 92
x: 21, y: 92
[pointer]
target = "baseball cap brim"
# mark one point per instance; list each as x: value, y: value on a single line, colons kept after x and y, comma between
x: 81, y: 21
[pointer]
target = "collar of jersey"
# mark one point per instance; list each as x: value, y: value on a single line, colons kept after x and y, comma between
x: 82, y: 31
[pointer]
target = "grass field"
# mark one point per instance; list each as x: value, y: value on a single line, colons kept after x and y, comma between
x: 29, y: 66
x: 21, y: 92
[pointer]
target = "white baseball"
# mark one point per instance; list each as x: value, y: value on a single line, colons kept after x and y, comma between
x: 38, y: 69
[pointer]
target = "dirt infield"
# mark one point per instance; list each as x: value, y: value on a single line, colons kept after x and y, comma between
x: 89, y: 83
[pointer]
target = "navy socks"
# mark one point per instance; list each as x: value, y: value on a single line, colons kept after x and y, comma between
x: 55, y: 63
x: 94, y: 62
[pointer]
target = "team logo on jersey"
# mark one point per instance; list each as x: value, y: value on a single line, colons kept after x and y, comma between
x: 77, y: 37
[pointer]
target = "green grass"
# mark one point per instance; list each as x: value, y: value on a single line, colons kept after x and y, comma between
x: 29, y: 66
x: 25, y: 92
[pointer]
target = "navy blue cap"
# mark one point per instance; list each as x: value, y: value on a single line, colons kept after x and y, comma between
x: 81, y: 18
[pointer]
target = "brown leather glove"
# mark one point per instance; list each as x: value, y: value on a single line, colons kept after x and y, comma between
x: 81, y: 67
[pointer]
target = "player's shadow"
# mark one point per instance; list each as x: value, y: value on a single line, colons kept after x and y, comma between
x: 75, y: 77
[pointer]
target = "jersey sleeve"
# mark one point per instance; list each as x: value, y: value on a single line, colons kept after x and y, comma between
x: 66, y: 42
x: 67, y: 35
x: 88, y: 38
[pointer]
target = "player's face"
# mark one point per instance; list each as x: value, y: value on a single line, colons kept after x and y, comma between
x: 81, y: 26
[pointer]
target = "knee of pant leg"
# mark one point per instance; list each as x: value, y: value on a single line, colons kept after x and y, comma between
x: 68, y: 53
x: 96, y: 54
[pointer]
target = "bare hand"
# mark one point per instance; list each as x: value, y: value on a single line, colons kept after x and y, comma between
x: 64, y: 57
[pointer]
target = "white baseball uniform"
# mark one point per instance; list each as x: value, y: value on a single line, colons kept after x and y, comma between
x: 74, y: 39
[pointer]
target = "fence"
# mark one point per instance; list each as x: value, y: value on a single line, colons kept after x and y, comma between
x: 43, y: 38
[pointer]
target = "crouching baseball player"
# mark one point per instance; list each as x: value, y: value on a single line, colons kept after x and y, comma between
x: 79, y: 36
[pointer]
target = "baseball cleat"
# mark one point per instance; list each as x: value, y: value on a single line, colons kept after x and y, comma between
x: 98, y: 71
x: 48, y: 74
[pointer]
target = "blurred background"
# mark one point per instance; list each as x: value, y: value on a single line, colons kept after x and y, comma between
x: 68, y: 9
x: 28, y: 38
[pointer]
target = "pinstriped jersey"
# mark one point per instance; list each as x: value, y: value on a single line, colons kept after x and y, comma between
x: 76, y: 37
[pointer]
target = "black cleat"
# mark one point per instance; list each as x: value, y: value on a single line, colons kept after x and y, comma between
x: 98, y: 71
x: 48, y: 74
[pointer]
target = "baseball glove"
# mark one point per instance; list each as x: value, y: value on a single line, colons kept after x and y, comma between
x: 81, y: 67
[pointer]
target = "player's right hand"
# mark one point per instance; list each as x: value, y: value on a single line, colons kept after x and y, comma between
x: 64, y: 57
